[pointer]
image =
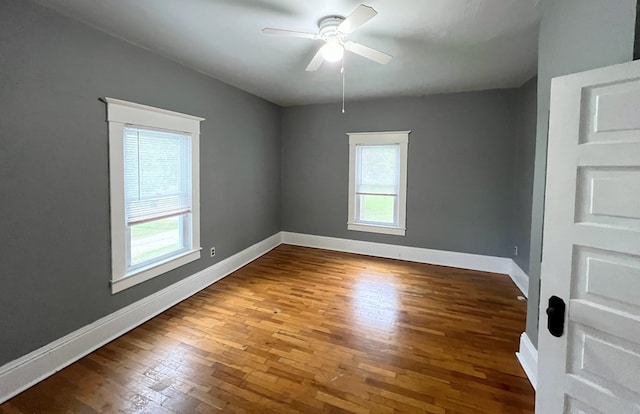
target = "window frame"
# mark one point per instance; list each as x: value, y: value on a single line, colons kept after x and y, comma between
x: 400, y: 138
x: 122, y: 114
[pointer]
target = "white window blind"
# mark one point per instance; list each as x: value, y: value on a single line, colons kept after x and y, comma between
x: 157, y: 174
x: 377, y: 185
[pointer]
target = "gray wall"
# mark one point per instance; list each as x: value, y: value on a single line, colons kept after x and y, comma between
x: 460, y: 169
x: 575, y: 35
x: 54, y: 215
x: 524, y: 158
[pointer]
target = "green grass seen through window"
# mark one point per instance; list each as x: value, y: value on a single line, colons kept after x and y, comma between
x: 154, y: 239
x: 377, y: 209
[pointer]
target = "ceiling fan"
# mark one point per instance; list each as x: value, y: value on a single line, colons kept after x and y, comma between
x: 333, y: 31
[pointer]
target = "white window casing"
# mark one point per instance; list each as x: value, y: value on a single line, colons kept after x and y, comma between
x: 392, y: 185
x: 132, y: 118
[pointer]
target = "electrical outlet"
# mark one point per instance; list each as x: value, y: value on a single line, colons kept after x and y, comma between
x: 213, y: 251
x: 515, y: 250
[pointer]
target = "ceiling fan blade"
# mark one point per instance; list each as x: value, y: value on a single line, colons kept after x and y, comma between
x: 289, y: 33
x: 367, y: 52
x: 316, y: 62
x: 360, y: 16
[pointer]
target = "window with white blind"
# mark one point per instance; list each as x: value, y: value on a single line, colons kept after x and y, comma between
x: 378, y: 182
x: 153, y: 158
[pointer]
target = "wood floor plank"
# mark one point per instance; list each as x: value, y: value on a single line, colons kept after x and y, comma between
x: 304, y: 330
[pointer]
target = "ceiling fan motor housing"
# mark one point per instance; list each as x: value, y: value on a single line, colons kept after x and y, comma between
x: 329, y: 27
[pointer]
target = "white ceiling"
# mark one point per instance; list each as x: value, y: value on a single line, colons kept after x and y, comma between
x: 437, y: 45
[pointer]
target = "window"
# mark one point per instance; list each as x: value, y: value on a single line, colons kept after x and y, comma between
x: 154, y: 184
x: 378, y: 182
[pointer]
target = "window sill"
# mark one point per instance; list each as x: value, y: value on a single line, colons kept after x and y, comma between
x: 371, y: 228
x: 149, y: 272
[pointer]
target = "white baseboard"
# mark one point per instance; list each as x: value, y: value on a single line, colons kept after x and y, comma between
x: 528, y: 357
x: 18, y: 375
x: 412, y: 254
x: 520, y: 278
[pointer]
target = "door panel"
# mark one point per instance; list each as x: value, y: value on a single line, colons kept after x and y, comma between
x: 577, y: 407
x: 616, y: 194
x: 611, y: 361
x: 609, y: 112
x: 608, y: 196
x: 598, y: 274
x: 615, y: 108
x: 605, y: 279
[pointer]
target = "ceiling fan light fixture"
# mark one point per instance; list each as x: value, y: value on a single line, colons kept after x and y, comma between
x: 332, y: 51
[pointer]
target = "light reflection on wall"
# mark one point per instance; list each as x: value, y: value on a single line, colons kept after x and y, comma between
x: 375, y: 304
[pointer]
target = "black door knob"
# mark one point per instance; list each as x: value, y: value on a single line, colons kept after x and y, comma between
x: 555, y: 316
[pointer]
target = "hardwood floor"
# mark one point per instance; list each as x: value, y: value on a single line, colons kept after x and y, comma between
x: 312, y: 331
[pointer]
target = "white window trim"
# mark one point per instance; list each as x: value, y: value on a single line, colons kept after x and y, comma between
x: 379, y: 138
x: 120, y: 114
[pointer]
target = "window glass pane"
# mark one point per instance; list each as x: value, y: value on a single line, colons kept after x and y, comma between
x: 378, y: 169
x: 376, y: 209
x: 154, y: 239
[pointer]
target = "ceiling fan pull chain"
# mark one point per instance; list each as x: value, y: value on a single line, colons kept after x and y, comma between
x: 343, y: 82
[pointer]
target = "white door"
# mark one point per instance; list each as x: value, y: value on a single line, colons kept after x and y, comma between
x: 591, y: 253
